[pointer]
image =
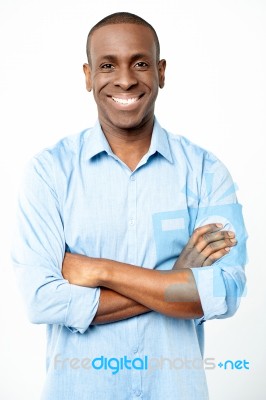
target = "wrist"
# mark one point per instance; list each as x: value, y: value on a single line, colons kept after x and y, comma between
x: 91, y: 271
x: 103, y: 271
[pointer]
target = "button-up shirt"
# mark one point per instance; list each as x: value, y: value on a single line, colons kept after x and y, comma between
x: 78, y: 196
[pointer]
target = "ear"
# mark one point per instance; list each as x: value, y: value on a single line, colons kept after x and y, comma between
x: 87, y: 72
x: 161, y: 72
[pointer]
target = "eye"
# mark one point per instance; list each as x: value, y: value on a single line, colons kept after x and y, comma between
x: 107, y: 66
x: 142, y: 65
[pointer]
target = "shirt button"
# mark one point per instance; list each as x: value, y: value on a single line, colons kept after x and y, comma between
x: 133, y: 178
x: 137, y: 392
x: 131, y: 222
x: 135, y: 350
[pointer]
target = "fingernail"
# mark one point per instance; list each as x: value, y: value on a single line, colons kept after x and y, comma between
x: 219, y: 225
x: 227, y: 248
x: 233, y: 240
x: 231, y: 234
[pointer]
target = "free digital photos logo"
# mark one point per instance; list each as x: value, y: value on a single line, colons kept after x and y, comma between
x: 146, y: 363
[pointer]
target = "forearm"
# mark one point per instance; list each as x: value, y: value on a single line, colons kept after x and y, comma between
x: 134, y: 290
x: 116, y: 307
x: 173, y: 293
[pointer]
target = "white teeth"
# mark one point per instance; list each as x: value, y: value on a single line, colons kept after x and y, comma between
x: 125, y: 101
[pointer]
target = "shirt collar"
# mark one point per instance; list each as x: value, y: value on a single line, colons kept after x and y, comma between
x: 97, y: 143
x: 160, y: 142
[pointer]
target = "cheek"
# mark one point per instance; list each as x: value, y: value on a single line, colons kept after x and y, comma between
x: 100, y: 82
x: 154, y: 89
x: 152, y: 82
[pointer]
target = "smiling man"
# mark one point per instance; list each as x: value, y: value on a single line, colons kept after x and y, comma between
x: 129, y: 237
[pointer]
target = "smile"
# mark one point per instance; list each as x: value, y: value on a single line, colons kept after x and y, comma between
x: 125, y: 101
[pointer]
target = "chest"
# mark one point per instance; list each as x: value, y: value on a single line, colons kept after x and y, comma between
x: 111, y: 212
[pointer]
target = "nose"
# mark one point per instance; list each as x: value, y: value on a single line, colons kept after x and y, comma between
x: 125, y: 78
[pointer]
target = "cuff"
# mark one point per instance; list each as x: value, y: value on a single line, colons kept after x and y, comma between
x: 212, y: 291
x: 82, y: 307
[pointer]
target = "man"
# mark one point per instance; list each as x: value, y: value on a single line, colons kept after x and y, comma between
x: 127, y: 237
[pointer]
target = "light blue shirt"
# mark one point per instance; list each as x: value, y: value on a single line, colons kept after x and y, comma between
x: 78, y: 196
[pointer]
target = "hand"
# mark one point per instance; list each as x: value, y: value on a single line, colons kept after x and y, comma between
x: 206, y: 245
x: 81, y: 270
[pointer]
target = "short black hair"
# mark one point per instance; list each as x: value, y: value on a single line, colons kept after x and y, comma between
x: 122, y: 18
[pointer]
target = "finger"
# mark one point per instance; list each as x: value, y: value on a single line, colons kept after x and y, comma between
x: 212, y: 247
x: 203, y: 230
x: 216, y: 256
x: 215, y: 236
x: 211, y: 237
x: 206, y: 234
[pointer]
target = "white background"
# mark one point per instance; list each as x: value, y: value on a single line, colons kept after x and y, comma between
x: 215, y: 94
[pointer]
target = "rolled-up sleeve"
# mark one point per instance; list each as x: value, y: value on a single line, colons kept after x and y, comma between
x: 221, y: 285
x: 38, y: 250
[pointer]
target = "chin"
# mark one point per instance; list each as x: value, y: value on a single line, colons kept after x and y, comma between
x: 129, y: 122
x: 127, y: 125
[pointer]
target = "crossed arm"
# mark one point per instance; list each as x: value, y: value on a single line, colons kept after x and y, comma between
x: 128, y: 290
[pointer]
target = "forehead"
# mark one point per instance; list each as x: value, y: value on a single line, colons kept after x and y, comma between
x: 121, y: 40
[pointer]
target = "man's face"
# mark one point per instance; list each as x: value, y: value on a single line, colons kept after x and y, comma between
x: 124, y: 75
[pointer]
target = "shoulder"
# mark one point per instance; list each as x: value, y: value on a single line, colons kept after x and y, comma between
x: 216, y: 182
x: 192, y: 152
x: 60, y: 159
x: 65, y: 149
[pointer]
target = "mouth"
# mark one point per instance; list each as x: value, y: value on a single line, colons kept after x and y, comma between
x: 126, y: 101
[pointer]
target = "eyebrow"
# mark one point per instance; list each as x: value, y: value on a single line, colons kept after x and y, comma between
x: 134, y: 57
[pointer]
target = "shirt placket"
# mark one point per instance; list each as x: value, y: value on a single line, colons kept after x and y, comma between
x: 133, y: 259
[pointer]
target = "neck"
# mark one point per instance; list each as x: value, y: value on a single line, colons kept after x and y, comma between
x: 129, y: 145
